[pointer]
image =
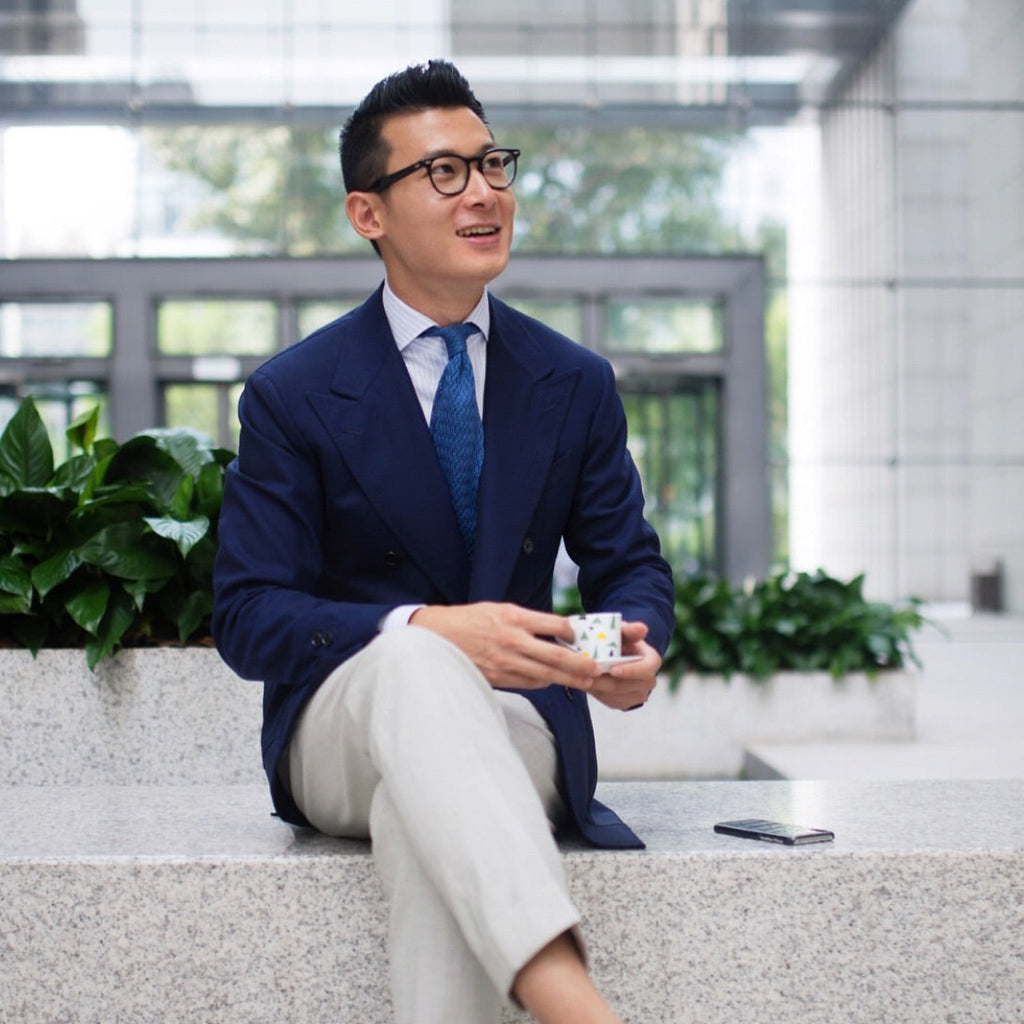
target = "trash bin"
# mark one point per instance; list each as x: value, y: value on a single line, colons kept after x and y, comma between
x: 987, y: 590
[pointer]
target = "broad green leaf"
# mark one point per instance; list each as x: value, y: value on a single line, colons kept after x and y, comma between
x: 117, y: 494
x: 14, y: 578
x: 124, y: 550
x: 54, y: 571
x: 797, y: 621
x: 189, y: 448
x: 185, y: 534
x: 82, y: 431
x: 88, y: 605
x: 140, y: 460
x: 77, y: 553
x: 138, y: 589
x: 34, y: 511
x: 15, y: 604
x: 194, y: 609
x: 181, y: 506
x: 210, y: 489
x: 26, y: 456
x: 74, y: 473
x: 119, y: 617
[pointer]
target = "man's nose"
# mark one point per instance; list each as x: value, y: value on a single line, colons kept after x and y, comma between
x: 477, y: 189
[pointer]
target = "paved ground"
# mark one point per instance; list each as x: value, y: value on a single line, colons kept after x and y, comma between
x: 970, y: 713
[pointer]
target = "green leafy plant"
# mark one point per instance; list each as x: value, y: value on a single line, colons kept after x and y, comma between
x: 112, y: 548
x: 791, y: 621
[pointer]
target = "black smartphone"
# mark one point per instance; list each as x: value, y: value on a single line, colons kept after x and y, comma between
x: 774, y: 831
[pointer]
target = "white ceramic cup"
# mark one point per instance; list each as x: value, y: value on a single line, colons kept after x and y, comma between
x: 598, y: 635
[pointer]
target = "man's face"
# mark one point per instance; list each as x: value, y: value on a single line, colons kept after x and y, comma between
x: 440, y: 251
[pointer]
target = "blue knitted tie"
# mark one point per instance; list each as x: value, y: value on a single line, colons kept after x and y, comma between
x: 456, y: 427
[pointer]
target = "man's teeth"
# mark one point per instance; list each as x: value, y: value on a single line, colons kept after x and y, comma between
x: 466, y: 232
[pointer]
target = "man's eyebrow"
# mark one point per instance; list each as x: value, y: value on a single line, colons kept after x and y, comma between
x: 451, y: 152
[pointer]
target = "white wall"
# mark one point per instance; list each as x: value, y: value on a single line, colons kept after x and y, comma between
x: 995, y: 357
x: 907, y: 361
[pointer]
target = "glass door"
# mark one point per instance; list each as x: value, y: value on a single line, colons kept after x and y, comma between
x: 674, y: 439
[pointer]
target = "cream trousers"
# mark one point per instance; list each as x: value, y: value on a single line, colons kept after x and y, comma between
x: 455, y: 783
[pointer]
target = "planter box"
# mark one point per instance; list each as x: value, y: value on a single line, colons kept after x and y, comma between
x: 180, y: 716
x: 702, y: 729
x: 149, y: 716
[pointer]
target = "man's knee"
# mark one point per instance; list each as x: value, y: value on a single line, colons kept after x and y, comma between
x: 414, y: 659
x: 409, y: 647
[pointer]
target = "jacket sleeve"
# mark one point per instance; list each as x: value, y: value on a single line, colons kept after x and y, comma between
x: 607, y: 536
x: 273, y: 619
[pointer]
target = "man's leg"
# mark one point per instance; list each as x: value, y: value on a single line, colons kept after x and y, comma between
x: 409, y: 741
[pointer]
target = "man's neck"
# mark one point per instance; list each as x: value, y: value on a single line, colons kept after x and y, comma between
x: 444, y: 310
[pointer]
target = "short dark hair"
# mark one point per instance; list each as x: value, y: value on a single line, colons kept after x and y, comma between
x: 363, y: 152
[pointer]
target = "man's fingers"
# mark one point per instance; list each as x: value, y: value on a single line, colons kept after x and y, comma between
x: 621, y: 695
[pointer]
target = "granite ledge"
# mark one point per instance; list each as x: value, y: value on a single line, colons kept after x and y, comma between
x: 885, y: 817
x: 170, y: 904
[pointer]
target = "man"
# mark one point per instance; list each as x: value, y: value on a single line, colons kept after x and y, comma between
x: 413, y: 693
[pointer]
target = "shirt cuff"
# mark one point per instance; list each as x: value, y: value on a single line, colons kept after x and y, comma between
x: 398, y: 617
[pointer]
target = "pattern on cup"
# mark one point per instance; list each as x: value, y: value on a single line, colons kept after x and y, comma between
x: 598, y: 635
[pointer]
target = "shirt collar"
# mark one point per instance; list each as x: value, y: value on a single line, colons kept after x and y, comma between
x: 407, y: 323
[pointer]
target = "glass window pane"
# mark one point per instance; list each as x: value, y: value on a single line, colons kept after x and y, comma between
x: 663, y: 325
x: 673, y: 437
x: 55, y: 329
x: 313, y: 315
x: 234, y: 428
x: 66, y: 190
x: 235, y: 190
x: 212, y: 409
x: 200, y: 327
x: 564, y: 315
x: 630, y: 190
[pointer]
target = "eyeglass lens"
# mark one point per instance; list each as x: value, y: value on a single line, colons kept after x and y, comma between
x: 450, y: 174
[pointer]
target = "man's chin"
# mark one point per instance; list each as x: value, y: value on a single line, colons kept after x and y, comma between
x: 485, y: 267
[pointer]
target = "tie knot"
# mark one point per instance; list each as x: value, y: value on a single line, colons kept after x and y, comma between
x: 455, y: 336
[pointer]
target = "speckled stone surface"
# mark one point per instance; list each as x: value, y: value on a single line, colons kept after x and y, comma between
x: 175, y: 904
x: 702, y: 729
x: 180, y: 716
x: 149, y: 716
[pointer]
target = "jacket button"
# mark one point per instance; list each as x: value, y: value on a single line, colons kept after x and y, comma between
x: 321, y: 638
x: 528, y: 546
x: 391, y: 559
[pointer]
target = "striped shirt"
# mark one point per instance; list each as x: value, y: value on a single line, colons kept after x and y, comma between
x: 425, y: 358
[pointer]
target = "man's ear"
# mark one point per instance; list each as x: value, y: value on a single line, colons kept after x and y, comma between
x: 363, y: 210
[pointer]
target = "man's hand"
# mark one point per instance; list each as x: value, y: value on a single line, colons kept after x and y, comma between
x: 510, y: 645
x: 628, y: 686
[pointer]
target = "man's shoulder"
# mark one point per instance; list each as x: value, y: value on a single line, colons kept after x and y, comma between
x: 558, y: 347
x: 312, y: 359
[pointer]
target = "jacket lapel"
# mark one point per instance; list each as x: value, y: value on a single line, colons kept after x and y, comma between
x: 377, y: 424
x: 525, y: 404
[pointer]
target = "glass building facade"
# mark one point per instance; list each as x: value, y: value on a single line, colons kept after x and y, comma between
x: 171, y: 214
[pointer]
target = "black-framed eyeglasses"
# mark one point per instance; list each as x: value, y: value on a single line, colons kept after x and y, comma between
x: 449, y: 172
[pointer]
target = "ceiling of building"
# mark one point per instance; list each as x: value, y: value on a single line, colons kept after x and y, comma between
x: 692, y: 62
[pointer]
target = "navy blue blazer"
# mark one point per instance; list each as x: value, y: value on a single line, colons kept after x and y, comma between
x: 336, y: 510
